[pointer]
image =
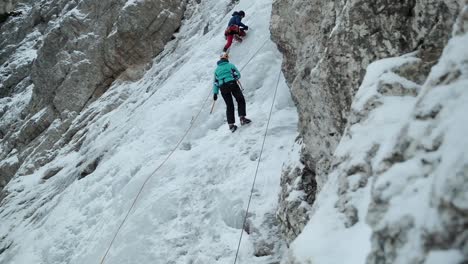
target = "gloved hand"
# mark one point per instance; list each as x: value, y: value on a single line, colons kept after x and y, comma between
x: 215, y: 97
x: 246, y: 28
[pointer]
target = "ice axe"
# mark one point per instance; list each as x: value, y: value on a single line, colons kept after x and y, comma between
x: 240, y: 85
x: 212, y: 107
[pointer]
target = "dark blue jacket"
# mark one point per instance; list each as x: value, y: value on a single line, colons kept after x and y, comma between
x: 236, y: 20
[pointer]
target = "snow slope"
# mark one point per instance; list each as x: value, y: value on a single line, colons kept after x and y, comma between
x: 191, y: 208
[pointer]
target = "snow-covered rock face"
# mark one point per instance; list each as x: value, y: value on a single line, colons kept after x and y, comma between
x: 397, y: 186
x: 419, y: 201
x: 63, y: 55
x: 79, y: 176
x: 327, y: 46
x: 81, y: 55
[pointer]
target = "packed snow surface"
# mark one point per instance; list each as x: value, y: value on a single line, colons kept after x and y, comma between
x: 191, y: 208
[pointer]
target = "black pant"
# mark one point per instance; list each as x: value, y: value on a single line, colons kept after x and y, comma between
x: 228, y: 90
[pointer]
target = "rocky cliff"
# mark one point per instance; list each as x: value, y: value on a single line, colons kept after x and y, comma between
x: 146, y: 151
x: 61, y: 56
x: 327, y: 46
x: 6, y: 7
x: 387, y: 171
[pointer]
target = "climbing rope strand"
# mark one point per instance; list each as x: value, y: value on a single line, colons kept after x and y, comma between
x: 255, y: 54
x: 151, y: 175
x: 258, y: 165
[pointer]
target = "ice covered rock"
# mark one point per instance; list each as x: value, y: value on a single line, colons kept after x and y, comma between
x: 397, y: 185
x: 327, y: 45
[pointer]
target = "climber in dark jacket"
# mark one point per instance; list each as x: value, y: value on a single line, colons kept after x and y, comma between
x: 236, y: 19
x: 225, y: 79
x: 236, y: 29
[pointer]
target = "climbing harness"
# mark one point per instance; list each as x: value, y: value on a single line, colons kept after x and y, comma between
x: 258, y: 164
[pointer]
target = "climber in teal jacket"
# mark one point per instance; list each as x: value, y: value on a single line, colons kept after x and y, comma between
x: 225, y: 79
x: 224, y: 73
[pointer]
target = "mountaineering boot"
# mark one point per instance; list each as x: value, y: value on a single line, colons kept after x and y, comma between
x: 237, y: 38
x: 244, y: 120
x: 232, y: 127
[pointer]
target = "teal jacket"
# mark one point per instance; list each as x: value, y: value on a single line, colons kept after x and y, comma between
x: 225, y: 72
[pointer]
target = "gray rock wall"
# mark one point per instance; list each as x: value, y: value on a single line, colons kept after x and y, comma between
x: 80, y: 57
x: 327, y: 46
x: 398, y: 182
x: 6, y: 6
x: 58, y: 56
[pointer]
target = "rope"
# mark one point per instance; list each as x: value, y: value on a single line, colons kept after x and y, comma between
x: 255, y: 54
x: 148, y: 178
x: 258, y: 165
